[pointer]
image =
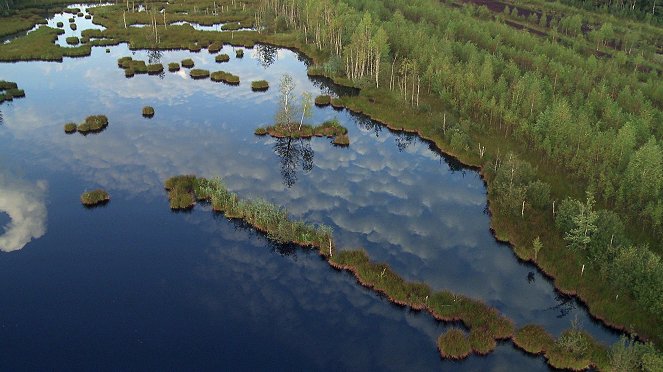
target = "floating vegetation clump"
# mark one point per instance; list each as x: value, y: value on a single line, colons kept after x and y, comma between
x: 199, y: 73
x: 73, y: 26
x: 330, y: 129
x: 9, y: 90
x: 70, y: 128
x: 259, y: 85
x: 222, y: 58
x: 72, y: 20
x: 60, y: 24
x: 72, y: 40
x: 453, y: 344
x: 214, y: 48
x: 132, y: 66
x: 80, y: 14
x: 93, y: 124
x: 180, y: 192
x: 173, y: 67
x: 323, y: 100
x: 239, y: 53
x: 225, y: 77
x: 195, y: 47
x: 187, y: 63
x: 148, y: 111
x: 155, y: 68
x: 94, y: 198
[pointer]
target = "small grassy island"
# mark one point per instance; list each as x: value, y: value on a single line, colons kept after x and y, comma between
x: 225, y: 77
x: 155, y: 68
x: 330, y: 129
x: 453, y: 344
x: 173, y: 67
x: 323, y: 100
x: 70, y: 128
x: 214, y: 48
x: 72, y: 40
x: 199, y: 73
x: 9, y: 90
x: 187, y: 63
x: 94, y: 198
x: 92, y: 124
x: 148, y: 111
x: 222, y: 58
x: 259, y: 85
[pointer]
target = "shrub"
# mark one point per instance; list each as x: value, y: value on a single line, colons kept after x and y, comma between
x: 323, y: 100
x: 187, y: 63
x: 72, y: 40
x: 70, y: 128
x: 148, y: 111
x: 155, y: 68
x: 173, y: 67
x: 239, y: 53
x: 198, y: 73
x: 259, y: 85
x: 222, y: 58
x: 94, y: 197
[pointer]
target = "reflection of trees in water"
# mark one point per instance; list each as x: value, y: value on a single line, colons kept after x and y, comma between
x: 404, y: 140
x: 565, y: 305
x: 294, y: 153
x: 1, y: 119
x: 286, y: 250
x: 154, y: 56
x: 267, y: 54
x: 367, y: 124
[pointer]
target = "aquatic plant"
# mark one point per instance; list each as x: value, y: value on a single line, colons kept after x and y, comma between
x: 148, y: 111
x: 173, y: 67
x: 225, y: 77
x: 330, y: 129
x: 231, y: 26
x: 323, y: 100
x: 92, y: 124
x: 222, y: 58
x: 70, y: 128
x: 453, y: 344
x: 187, y: 63
x: 259, y: 85
x: 180, y: 192
x: 341, y: 140
x: 72, y: 40
x: 337, y: 104
x: 88, y: 16
x: 95, y: 197
x: 80, y: 14
x: 9, y: 90
x: 198, y: 73
x: 195, y: 47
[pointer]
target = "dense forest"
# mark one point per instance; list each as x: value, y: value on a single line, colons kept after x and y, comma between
x: 596, y: 119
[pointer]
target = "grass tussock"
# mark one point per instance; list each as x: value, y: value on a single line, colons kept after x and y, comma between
x: 221, y: 58
x: 72, y: 40
x: 259, y: 85
x: 323, y: 100
x: 453, y: 344
x: 173, y: 67
x: 155, y: 68
x: 73, y: 26
x: 337, y: 104
x: 88, y: 16
x: 214, y: 48
x: 260, y: 131
x: 60, y: 25
x: 199, y: 73
x: 180, y: 192
x: 225, y: 77
x: 93, y: 124
x: 533, y: 339
x: 95, y: 197
x: 132, y: 66
x: 70, y: 128
x: 187, y: 63
x: 148, y: 111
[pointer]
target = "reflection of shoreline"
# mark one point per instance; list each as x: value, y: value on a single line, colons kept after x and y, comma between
x: 25, y: 205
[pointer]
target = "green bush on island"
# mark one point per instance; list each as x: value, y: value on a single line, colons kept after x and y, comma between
x: 259, y: 85
x: 155, y: 68
x: 187, y: 63
x: 148, y: 111
x: 214, y: 48
x: 453, y: 344
x: 323, y: 100
x: 173, y: 67
x: 93, y: 123
x: 199, y: 73
x: 225, y: 77
x: 222, y: 58
x: 60, y: 24
x: 94, y: 197
x: 239, y: 53
x: 70, y: 128
x: 72, y: 40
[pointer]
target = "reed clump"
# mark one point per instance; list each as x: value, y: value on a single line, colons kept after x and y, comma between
x: 323, y: 100
x: 180, y: 192
x: 173, y: 67
x: 148, y: 111
x: 95, y: 197
x: 199, y: 73
x: 187, y: 63
x: 225, y: 77
x: 259, y: 85
x: 453, y: 344
x: 222, y: 58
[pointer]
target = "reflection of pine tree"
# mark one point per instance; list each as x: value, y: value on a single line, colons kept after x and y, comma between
x: 293, y: 153
x: 1, y: 120
x: 266, y: 55
x: 154, y: 56
x: 404, y: 140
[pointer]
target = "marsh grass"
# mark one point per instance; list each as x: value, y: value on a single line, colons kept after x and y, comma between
x: 214, y: 48
x: 259, y: 85
x: 260, y: 131
x: 453, y: 344
x: 323, y: 100
x: 93, y: 124
x: 73, y: 26
x: 337, y: 104
x: 148, y: 111
x: 155, y: 68
x: 222, y: 58
x: 225, y: 77
x: 341, y: 140
x: 70, y: 128
x: 9, y: 90
x: 94, y: 198
x: 198, y: 73
x: 533, y: 339
x: 60, y: 24
x: 88, y: 16
x: 173, y: 67
x: 72, y: 40
x: 187, y: 63
x: 231, y: 26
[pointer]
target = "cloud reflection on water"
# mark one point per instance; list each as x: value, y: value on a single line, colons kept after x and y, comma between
x: 25, y: 204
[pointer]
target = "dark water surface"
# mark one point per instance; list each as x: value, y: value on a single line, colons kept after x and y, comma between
x: 132, y: 284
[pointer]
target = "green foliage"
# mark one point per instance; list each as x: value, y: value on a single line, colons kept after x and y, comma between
x: 155, y: 68
x: 93, y: 124
x: 239, y: 53
x: 323, y: 100
x: 94, y: 197
x: 533, y: 339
